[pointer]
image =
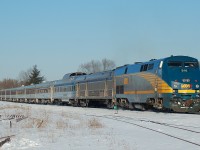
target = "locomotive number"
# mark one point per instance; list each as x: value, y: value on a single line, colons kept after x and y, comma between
x: 184, y: 70
x: 185, y: 86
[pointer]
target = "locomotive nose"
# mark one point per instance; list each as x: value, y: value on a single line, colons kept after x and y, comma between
x: 186, y: 95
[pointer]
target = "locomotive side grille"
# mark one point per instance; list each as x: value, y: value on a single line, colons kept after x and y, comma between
x: 99, y: 89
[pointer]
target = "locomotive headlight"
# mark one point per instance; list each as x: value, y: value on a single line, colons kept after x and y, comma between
x: 175, y: 86
x: 197, y: 86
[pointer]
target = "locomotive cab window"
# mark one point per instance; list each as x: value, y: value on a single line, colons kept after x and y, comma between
x: 150, y: 66
x: 191, y: 64
x: 125, y: 72
x: 175, y: 64
x: 144, y: 67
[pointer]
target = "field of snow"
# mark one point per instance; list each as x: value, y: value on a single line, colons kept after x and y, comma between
x: 49, y: 127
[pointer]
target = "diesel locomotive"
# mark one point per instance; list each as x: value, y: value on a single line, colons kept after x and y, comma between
x: 170, y: 83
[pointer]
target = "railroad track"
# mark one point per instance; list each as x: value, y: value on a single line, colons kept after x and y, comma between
x: 160, y: 123
x: 124, y: 120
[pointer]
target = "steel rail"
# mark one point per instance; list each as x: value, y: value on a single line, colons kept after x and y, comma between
x: 169, y: 135
x: 160, y: 123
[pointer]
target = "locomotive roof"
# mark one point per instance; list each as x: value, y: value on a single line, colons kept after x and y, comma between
x: 131, y: 68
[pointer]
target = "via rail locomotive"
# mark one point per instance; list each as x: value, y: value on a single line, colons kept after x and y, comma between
x: 171, y: 83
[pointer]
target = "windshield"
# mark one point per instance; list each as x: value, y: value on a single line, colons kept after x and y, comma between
x: 175, y: 64
x: 191, y: 64
x: 183, y: 64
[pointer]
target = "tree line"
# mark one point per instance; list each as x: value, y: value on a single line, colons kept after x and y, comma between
x: 33, y: 75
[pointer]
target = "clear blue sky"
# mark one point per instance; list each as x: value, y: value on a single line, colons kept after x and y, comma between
x: 59, y: 35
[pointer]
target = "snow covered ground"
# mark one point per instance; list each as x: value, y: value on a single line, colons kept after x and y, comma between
x: 50, y: 127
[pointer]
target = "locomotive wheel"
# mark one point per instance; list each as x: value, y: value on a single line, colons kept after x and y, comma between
x: 109, y: 104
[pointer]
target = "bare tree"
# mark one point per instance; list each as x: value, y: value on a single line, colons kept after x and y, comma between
x: 97, y: 66
x: 85, y: 68
x: 24, y: 77
x: 90, y: 67
x: 9, y: 83
x: 108, y: 64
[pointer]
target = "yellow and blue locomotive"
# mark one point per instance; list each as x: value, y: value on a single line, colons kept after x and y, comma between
x: 170, y: 83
